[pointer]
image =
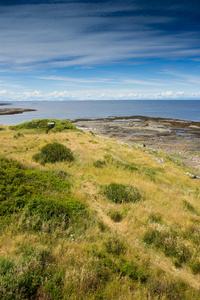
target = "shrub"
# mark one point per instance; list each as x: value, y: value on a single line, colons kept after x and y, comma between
x: 22, y: 279
x: 195, y: 265
x: 19, y: 185
x: 133, y: 271
x: 62, y: 125
x: 115, y: 246
x: 102, y: 226
x: 99, y: 164
x: 119, y: 193
x: 50, y: 213
x: 42, y: 125
x: 51, y: 153
x: 115, y: 215
x: 27, y: 193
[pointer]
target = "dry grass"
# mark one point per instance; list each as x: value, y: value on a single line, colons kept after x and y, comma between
x: 76, y: 252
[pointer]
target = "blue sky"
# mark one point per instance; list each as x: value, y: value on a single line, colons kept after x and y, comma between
x: 99, y: 50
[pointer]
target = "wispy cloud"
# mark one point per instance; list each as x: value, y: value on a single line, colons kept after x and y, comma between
x: 63, y: 49
x: 188, y: 77
x: 116, y: 80
x: 143, y: 82
x: 84, y: 34
x: 75, y: 80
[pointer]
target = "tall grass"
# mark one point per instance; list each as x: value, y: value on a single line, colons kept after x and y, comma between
x: 114, y: 224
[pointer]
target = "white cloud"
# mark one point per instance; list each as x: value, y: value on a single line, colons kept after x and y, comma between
x: 143, y: 82
x: 3, y: 92
x: 75, y: 80
x: 106, y: 94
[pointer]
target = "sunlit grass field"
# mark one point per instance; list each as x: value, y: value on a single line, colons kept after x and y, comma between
x: 118, y: 222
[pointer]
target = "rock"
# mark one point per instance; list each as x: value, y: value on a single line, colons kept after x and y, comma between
x: 160, y: 161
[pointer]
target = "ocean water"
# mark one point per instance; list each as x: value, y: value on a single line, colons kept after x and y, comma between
x: 176, y: 109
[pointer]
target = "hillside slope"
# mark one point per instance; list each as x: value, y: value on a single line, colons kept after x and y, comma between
x: 118, y: 222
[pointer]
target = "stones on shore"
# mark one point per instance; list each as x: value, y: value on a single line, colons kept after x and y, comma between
x: 160, y: 161
x: 192, y: 175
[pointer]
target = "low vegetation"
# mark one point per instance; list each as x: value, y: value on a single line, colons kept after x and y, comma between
x: 119, y: 193
x: 45, y: 125
x: 85, y: 217
x: 53, y: 152
x: 179, y: 156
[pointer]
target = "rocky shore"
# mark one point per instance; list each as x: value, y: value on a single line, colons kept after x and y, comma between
x: 176, y: 137
x: 13, y: 111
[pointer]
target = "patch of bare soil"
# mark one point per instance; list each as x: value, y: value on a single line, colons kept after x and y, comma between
x: 178, y: 137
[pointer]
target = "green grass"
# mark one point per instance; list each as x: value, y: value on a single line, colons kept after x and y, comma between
x: 111, y: 224
x: 178, y: 156
x: 29, y: 193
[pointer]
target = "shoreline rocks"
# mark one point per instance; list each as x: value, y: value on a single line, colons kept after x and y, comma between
x: 13, y: 111
x: 173, y: 136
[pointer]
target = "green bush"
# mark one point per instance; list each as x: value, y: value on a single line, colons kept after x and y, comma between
x: 115, y: 246
x: 102, y: 226
x: 119, y: 193
x: 115, y: 215
x: 54, y: 152
x: 99, y: 164
x: 42, y: 125
x: 50, y: 213
x: 18, y: 185
x: 28, y: 193
x: 133, y: 271
x: 23, y: 278
x: 195, y: 265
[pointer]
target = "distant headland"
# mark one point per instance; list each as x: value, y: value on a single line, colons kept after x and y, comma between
x: 13, y: 111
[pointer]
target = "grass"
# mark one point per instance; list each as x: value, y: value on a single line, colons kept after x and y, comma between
x: 113, y: 224
x: 179, y: 156
x: 119, y: 193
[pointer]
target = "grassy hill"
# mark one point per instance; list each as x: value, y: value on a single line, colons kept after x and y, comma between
x: 116, y: 222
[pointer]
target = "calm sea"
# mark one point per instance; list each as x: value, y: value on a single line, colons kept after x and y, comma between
x: 184, y: 110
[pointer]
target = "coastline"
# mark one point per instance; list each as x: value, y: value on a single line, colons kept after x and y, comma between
x: 13, y: 111
x: 176, y: 137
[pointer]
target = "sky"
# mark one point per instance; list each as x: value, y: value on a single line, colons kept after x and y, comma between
x: 99, y: 50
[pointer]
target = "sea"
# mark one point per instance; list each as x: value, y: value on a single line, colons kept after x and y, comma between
x: 93, y: 109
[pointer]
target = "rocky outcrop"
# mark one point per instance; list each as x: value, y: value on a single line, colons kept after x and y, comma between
x: 13, y: 111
